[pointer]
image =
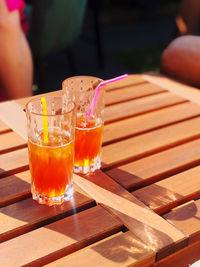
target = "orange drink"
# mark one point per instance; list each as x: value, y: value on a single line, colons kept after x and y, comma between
x: 89, y: 128
x: 51, y: 166
x: 88, y: 140
x: 51, y: 130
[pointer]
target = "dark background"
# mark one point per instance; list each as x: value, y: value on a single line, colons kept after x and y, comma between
x: 132, y: 35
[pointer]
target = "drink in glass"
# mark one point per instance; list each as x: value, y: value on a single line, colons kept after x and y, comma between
x: 88, y: 133
x: 51, y: 159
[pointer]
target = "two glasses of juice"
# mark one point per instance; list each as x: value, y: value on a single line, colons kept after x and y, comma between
x: 63, y: 138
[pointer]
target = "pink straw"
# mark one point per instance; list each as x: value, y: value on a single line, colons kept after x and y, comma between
x: 94, y: 100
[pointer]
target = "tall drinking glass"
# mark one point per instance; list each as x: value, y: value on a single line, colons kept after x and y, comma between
x: 51, y: 148
x: 88, y: 133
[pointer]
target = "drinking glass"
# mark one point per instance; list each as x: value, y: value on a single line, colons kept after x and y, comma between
x: 51, y: 148
x: 88, y: 132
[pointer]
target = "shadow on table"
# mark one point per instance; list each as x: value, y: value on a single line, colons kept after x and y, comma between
x: 42, y: 215
x: 13, y: 189
x: 185, y: 212
x: 158, y: 198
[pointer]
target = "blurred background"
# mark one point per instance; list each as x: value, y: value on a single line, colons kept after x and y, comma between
x: 107, y: 38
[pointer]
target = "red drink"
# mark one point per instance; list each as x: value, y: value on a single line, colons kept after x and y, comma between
x: 88, y: 140
x: 51, y: 166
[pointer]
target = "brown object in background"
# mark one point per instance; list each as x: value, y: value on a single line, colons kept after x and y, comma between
x: 181, y: 60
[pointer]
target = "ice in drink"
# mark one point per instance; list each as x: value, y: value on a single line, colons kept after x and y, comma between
x: 88, y: 140
x: 51, y: 166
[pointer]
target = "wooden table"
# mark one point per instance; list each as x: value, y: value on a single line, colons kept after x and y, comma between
x: 140, y: 209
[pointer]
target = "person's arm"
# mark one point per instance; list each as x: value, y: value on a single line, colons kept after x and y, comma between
x: 181, y: 60
x: 16, y: 65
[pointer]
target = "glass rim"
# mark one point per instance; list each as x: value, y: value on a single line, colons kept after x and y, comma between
x: 48, y: 115
x: 80, y: 77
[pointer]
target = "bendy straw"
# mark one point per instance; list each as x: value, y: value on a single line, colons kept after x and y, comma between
x: 94, y: 100
x: 45, y: 122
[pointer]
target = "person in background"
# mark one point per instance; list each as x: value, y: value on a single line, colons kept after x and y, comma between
x: 16, y: 64
x: 188, y: 16
x: 180, y: 60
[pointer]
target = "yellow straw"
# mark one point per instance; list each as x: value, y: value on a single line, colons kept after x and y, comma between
x: 45, y: 122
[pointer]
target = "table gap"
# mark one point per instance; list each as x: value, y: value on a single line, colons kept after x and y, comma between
x: 105, y: 143
x: 134, y: 98
x: 56, y: 255
x: 15, y: 199
x: 45, y: 222
x: 5, y: 131
x: 14, y: 171
x: 131, y: 85
x: 168, y: 207
x: 145, y: 112
x: 107, y: 167
x: 10, y: 149
x: 163, y: 175
x: 159, y: 177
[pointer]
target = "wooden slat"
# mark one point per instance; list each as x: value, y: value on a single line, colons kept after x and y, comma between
x: 12, y: 114
x: 16, y: 159
x: 157, y: 233
x: 140, y: 106
x: 23, y: 101
x: 27, y: 215
x: 13, y: 162
x: 123, y: 249
x: 17, y: 187
x: 184, y: 90
x: 18, y: 122
x: 186, y: 218
x: 130, y: 81
x: 150, y: 169
x: 131, y: 92
x: 119, y: 111
x: 166, y: 194
x: 3, y: 127
x: 183, y: 258
x: 10, y: 141
x: 146, y: 144
x: 14, y: 187
x: 152, y: 229
x: 58, y: 239
x: 140, y: 124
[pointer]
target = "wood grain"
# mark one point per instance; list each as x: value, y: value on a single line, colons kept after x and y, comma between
x: 168, y: 193
x: 154, y: 168
x: 149, y: 135
x: 140, y: 106
x: 14, y: 188
x: 59, y: 238
x: 13, y: 162
x: 11, y: 141
x: 184, y: 90
x: 123, y: 249
x: 131, y: 92
x: 183, y: 258
x: 16, y: 219
x: 186, y: 217
x: 131, y: 81
x: 150, y: 121
x: 3, y: 127
x: 149, y: 143
x: 155, y: 232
